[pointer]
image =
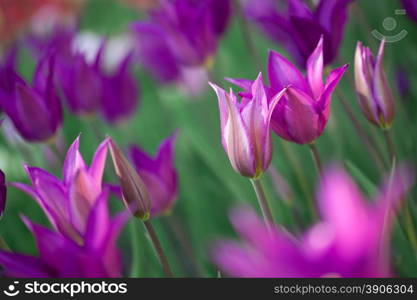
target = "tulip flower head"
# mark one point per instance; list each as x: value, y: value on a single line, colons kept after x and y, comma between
x: 374, y: 94
x: 245, y: 128
x: 158, y: 174
x: 179, y: 34
x: 293, y: 24
x: 351, y: 240
x: 67, y: 202
x: 301, y: 116
x: 134, y: 192
x: 34, y: 110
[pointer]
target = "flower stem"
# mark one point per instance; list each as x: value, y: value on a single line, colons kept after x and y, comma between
x: 247, y: 36
x: 390, y: 145
x: 158, y: 248
x: 316, y: 158
x: 134, y: 272
x: 263, y: 202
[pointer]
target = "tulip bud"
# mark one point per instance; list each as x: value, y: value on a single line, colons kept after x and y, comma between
x: 134, y: 192
x: 374, y: 94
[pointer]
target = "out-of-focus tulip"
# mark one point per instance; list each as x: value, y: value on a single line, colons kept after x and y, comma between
x: 3, y: 193
x: 67, y: 202
x: 293, y: 24
x: 134, y: 192
x: 181, y: 33
x: 411, y: 8
x: 81, y: 85
x: 374, y: 94
x: 120, y: 92
x: 245, y: 128
x: 302, y: 115
x: 158, y: 174
x: 34, y: 110
x: 351, y: 240
x: 60, y: 256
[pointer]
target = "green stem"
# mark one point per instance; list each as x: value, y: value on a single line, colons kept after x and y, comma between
x: 390, y: 146
x: 316, y: 158
x: 263, y: 202
x: 158, y: 248
x: 134, y: 272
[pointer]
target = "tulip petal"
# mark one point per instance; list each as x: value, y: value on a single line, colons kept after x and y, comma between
x: 281, y: 73
x: 20, y: 265
x: 73, y: 162
x: 341, y: 205
x: 96, y: 168
x: 381, y: 90
x: 301, y: 116
x: 315, y: 70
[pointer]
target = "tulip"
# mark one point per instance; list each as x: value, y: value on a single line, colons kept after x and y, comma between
x: 136, y: 197
x: 120, y: 92
x: 158, y: 174
x: 374, y: 94
x: 67, y: 202
x: 298, y: 28
x: 134, y: 192
x: 60, y: 256
x: 181, y: 33
x: 302, y: 115
x: 245, y: 128
x: 34, y: 110
x: 411, y: 9
x: 3, y: 193
x: 351, y: 240
x: 81, y: 85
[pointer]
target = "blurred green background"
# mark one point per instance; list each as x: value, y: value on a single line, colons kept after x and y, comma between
x: 208, y: 185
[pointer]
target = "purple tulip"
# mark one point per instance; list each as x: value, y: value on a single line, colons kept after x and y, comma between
x: 80, y: 83
x: 351, y: 240
x: 298, y: 28
x: 411, y: 8
x: 301, y: 116
x: 34, y: 110
x: 158, y: 174
x: 374, y: 95
x: 60, y: 256
x: 181, y: 33
x: 120, y: 92
x: 3, y: 193
x: 245, y: 128
x: 67, y: 202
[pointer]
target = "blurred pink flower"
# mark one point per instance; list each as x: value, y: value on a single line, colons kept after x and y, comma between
x: 351, y: 240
